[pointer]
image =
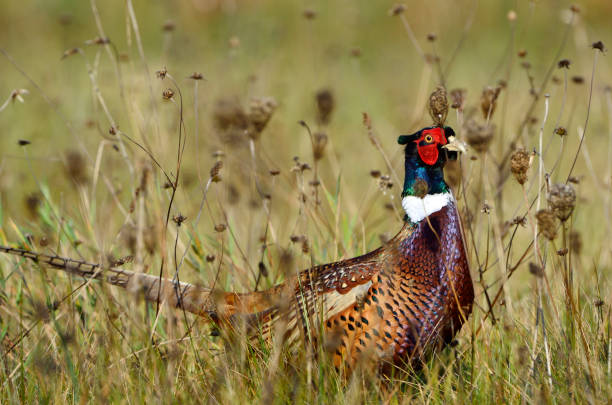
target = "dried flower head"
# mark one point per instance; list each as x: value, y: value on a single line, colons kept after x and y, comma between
x: 318, y: 145
x: 547, y: 222
x: 325, y: 105
x: 562, y: 200
x: 179, y: 219
x: 564, y: 64
x: 309, y: 14
x: 98, y: 41
x: 168, y: 94
x: 220, y: 227
x: 16, y: 95
x: 520, y: 161
x: 577, y: 79
x: 397, y: 9
x: 561, y: 131
x: 522, y: 53
x: 229, y: 113
x: 215, y: 171
x: 488, y: 100
x: 76, y: 167
x: 196, y: 76
x: 168, y: 26
x: 575, y: 239
x: 70, y: 52
x: 260, y: 112
x: 431, y: 37
x: 457, y: 97
x: 535, y: 270
x: 479, y: 136
x: 162, y: 73
x: 438, y: 106
x: 599, y: 46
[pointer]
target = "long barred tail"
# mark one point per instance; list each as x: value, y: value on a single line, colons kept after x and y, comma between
x: 191, y: 298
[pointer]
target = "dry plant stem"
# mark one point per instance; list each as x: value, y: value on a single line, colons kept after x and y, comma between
x: 134, y: 23
x: 413, y: 39
x: 586, y: 121
x: 534, y: 102
x: 501, y: 257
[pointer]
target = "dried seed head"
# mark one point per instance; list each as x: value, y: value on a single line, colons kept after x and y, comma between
x: 229, y: 113
x: 577, y: 79
x: 355, y: 52
x: 220, y: 227
x: 536, y: 270
x: 457, y: 97
x: 561, y: 131
x: 488, y: 101
x: 32, y: 202
x: 263, y: 270
x: 431, y: 37
x: 574, y: 9
x: 397, y: 9
x: 16, y: 95
x: 438, y: 106
x: 162, y: 73
x: 599, y: 46
x: 168, y: 26
x: 547, y: 222
x: 97, y: 41
x: 168, y: 94
x: 522, y: 53
x: 76, y: 167
x: 70, y: 52
x: 562, y: 200
x: 564, y: 64
x: 210, y: 258
x: 520, y: 161
x: 575, y: 239
x: 319, y: 144
x: 309, y: 14
x: 215, y: 171
x: 196, y: 76
x: 325, y: 105
x: 260, y: 112
x: 479, y: 136
x: 179, y: 219
x: 375, y: 173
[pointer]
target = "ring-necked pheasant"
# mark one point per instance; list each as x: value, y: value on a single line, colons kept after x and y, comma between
x: 392, y: 305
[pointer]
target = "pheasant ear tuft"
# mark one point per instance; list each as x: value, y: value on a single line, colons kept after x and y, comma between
x: 404, y: 139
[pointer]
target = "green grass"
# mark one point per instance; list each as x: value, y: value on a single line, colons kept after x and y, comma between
x: 85, y: 193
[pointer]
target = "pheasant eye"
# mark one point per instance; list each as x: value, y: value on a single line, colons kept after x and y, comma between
x: 428, y: 138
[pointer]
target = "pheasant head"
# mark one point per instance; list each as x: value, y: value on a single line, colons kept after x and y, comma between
x: 426, y: 152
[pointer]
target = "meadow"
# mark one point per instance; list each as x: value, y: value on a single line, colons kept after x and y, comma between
x: 235, y: 142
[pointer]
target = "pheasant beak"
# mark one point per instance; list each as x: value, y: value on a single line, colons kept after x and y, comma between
x: 455, y: 145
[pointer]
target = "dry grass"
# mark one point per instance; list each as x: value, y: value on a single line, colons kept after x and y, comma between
x: 121, y: 154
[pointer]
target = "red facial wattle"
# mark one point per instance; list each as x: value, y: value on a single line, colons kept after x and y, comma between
x: 427, y: 145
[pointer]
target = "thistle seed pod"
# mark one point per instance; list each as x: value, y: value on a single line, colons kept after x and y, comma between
x: 519, y: 165
x: 562, y: 200
x: 547, y: 222
x: 438, y: 106
x: 479, y: 136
